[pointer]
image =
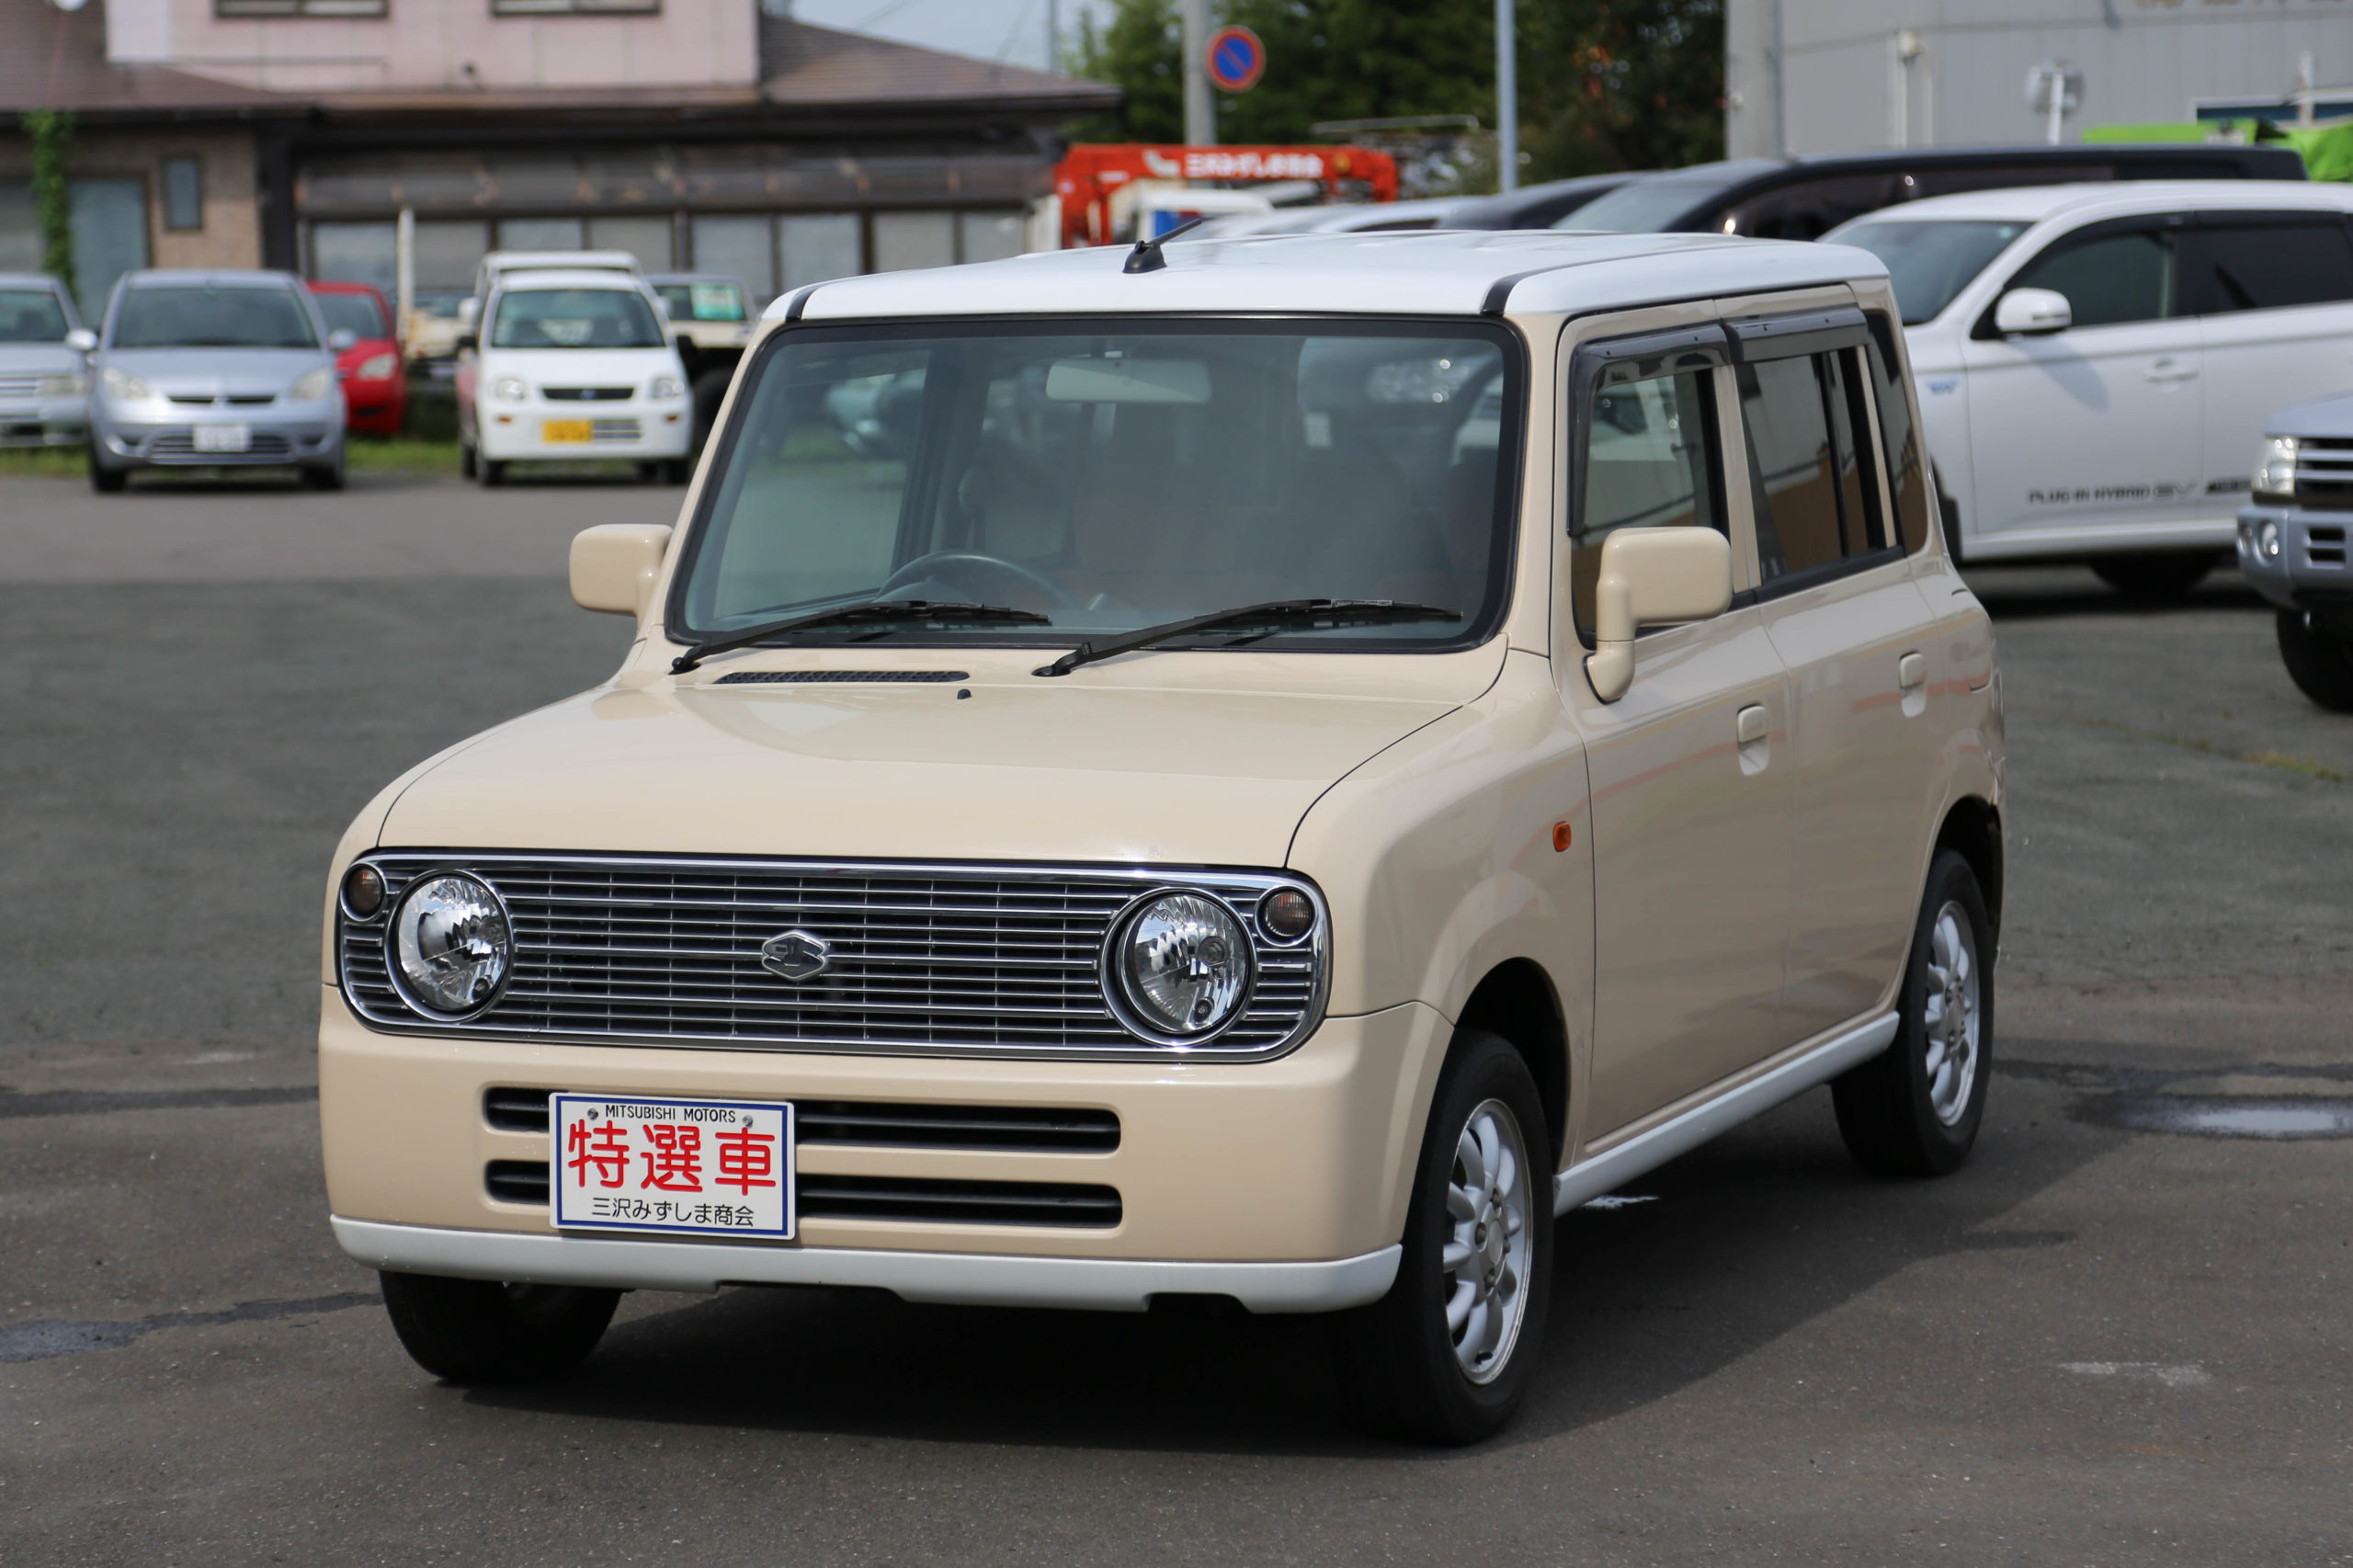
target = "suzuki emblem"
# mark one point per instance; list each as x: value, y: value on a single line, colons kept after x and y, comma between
x: 796, y: 955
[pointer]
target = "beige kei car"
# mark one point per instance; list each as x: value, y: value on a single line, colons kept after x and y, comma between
x: 1262, y: 769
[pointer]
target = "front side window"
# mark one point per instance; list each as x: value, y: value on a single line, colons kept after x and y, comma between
x: 1930, y: 262
x: 2109, y: 280
x: 1650, y: 459
x: 2251, y: 264
x: 224, y: 317
x: 1116, y: 475
x: 574, y: 318
x: 1815, y: 484
x: 31, y: 315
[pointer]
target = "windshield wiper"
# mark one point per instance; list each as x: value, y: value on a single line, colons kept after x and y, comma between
x: 1277, y: 614
x: 857, y: 615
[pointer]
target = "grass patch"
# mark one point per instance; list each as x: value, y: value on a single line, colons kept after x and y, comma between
x: 49, y: 462
x: 360, y: 453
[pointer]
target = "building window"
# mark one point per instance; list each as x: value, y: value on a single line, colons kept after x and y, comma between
x: 575, y: 7
x: 298, y: 7
x: 183, y: 193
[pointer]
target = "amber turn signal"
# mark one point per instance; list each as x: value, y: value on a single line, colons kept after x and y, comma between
x: 1560, y: 836
x: 1286, y: 914
x: 363, y: 891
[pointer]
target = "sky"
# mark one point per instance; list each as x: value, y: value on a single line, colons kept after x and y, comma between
x: 1010, y: 30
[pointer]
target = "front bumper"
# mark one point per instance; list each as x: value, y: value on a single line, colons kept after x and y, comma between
x: 2314, y: 563
x: 1281, y: 1184
x: 636, y: 429
x: 52, y: 422
x: 277, y: 435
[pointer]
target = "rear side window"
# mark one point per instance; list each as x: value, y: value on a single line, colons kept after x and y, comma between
x: 1921, y: 183
x: 2255, y: 264
x: 1810, y: 209
x: 1816, y: 480
x: 2111, y: 278
x: 1907, y: 475
x: 1650, y: 459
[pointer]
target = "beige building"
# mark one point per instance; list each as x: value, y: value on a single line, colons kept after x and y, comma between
x: 697, y: 134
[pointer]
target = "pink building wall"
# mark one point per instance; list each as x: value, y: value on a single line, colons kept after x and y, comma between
x: 443, y: 44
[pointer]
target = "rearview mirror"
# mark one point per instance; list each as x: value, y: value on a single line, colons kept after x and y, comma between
x: 2033, y: 312
x: 81, y: 339
x: 1652, y: 578
x: 342, y: 339
x: 614, y: 566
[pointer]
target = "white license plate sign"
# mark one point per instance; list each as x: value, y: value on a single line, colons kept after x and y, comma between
x: 223, y: 437
x: 714, y: 1168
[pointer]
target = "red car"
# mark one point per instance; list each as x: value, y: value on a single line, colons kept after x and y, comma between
x: 375, y: 383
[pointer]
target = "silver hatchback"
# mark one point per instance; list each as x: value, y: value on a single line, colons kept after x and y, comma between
x: 215, y: 370
x: 44, y: 375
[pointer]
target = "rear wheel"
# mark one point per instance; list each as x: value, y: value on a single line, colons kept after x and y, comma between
x: 1447, y: 1355
x: 479, y: 1331
x: 1914, y: 1108
x: 2154, y: 578
x: 2319, y: 660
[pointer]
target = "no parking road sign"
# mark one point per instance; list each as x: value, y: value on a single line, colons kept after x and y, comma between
x: 1237, y: 58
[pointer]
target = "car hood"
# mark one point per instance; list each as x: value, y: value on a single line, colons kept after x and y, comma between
x: 2331, y: 416
x: 218, y: 372
x: 578, y: 366
x: 1038, y: 771
x: 38, y: 358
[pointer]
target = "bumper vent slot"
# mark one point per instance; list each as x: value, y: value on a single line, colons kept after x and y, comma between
x: 843, y: 677
x: 517, y: 1181
x: 1063, y: 1204
x: 1022, y: 1130
x: 2324, y: 544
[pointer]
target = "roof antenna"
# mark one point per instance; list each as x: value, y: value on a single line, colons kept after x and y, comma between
x: 1146, y: 256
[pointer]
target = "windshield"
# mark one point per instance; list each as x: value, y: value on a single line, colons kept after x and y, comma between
x: 1646, y: 206
x: 354, y: 314
x: 1928, y: 263
x: 1116, y: 475
x: 31, y: 315
x: 702, y: 301
x: 575, y: 318
x: 253, y: 316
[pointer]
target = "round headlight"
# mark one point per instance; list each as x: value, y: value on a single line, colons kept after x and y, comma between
x: 452, y: 946
x: 1180, y: 966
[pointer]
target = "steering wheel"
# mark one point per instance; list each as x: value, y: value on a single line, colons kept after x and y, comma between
x: 984, y: 579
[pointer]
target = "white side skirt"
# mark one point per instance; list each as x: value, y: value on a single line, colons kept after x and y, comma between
x: 1103, y: 1284
x: 1590, y: 1178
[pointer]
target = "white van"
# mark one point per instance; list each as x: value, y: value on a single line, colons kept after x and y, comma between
x: 2096, y: 362
x: 572, y: 363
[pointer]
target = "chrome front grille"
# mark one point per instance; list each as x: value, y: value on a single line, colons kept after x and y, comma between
x: 2325, y: 472
x: 946, y: 959
x: 179, y: 445
x: 13, y: 387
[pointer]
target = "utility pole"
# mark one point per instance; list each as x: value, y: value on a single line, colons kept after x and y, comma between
x: 1506, y: 99
x: 1054, y: 35
x: 1200, y: 118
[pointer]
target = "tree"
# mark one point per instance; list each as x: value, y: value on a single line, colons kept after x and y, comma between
x: 1604, y: 83
x: 53, y: 205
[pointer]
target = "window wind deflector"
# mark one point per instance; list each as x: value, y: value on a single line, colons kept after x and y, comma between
x: 1276, y: 614
x: 883, y: 610
x: 1807, y: 332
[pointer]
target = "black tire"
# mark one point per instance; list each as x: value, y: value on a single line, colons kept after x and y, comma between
x: 678, y: 472
x: 2154, y: 579
x: 1889, y: 1107
x: 2319, y: 663
x: 492, y: 474
x: 324, y: 477
x: 107, y: 481
x: 479, y: 1331
x: 1400, y: 1371
x: 465, y: 462
x: 709, y: 391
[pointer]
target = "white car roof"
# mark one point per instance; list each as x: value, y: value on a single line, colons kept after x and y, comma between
x: 2033, y: 204
x: 500, y: 261
x: 1390, y: 273
x: 569, y: 278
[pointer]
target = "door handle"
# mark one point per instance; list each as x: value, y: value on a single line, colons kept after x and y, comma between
x: 1911, y: 670
x: 1754, y: 724
x: 2169, y: 370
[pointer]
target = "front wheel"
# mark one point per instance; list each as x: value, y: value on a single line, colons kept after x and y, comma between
x: 490, y: 472
x: 479, y: 1331
x: 1913, y: 1110
x: 2154, y: 578
x: 1447, y: 1355
x: 325, y: 476
x: 107, y: 481
x: 2321, y: 664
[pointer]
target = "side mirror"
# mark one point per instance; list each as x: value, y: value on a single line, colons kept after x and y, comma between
x: 466, y: 340
x: 83, y: 340
x: 2033, y: 312
x: 468, y: 308
x: 342, y: 339
x: 1652, y: 578
x: 614, y: 566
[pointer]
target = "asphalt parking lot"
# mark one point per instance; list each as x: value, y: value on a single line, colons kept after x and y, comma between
x: 2114, y: 1338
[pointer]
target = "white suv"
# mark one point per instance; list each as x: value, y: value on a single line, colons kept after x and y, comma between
x: 2096, y: 362
x: 569, y: 364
